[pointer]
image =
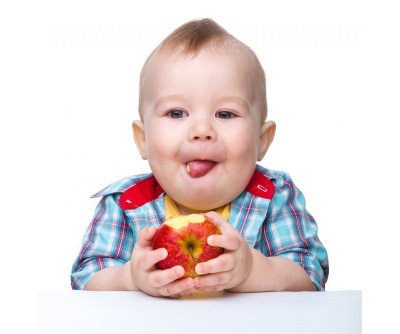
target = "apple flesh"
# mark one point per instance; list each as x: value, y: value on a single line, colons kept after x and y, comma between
x: 185, y: 239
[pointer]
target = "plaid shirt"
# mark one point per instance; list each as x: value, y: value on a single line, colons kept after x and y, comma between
x: 270, y: 214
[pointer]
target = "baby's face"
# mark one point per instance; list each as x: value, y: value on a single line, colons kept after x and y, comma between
x: 202, y: 129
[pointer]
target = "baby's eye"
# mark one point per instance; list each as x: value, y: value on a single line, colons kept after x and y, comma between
x: 177, y: 114
x: 225, y: 114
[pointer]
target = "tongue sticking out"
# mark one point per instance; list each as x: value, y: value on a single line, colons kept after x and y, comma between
x: 199, y: 168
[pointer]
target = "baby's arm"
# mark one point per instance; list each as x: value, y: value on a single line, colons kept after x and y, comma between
x: 243, y: 269
x: 274, y: 274
x: 110, y: 260
x: 140, y: 273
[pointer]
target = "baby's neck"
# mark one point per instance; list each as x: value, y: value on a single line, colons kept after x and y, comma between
x: 224, y: 211
x: 184, y: 211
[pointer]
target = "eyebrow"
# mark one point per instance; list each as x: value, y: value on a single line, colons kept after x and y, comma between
x: 236, y: 100
x: 227, y: 98
x: 166, y: 99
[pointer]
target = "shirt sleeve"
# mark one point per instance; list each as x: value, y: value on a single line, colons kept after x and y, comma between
x: 107, y: 242
x: 291, y: 232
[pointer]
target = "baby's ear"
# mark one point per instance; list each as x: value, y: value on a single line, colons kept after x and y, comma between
x: 140, y: 138
x: 267, y: 134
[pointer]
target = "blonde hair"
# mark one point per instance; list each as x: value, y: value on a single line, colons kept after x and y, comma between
x: 191, y: 37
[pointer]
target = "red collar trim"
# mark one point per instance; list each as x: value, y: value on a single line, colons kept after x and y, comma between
x: 261, y: 186
x: 148, y: 190
x: 139, y: 194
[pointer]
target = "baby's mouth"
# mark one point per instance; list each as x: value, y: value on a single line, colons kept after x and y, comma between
x: 198, y: 168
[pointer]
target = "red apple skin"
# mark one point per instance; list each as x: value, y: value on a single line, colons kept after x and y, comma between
x: 187, y: 246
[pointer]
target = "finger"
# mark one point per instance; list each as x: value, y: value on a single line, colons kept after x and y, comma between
x: 219, y: 221
x: 149, y: 260
x: 212, y: 288
x: 229, y: 241
x: 184, y: 293
x: 146, y: 236
x: 159, y: 278
x: 178, y: 288
x: 222, y: 263
x: 211, y: 282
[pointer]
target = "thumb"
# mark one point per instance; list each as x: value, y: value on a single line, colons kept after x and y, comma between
x: 219, y: 221
x: 146, y: 236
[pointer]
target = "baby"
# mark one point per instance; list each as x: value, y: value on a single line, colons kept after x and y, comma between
x: 202, y: 128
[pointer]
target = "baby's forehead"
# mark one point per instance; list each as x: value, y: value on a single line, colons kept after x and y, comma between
x: 173, y: 55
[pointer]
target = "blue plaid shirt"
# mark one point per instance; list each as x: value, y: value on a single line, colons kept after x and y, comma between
x: 270, y: 214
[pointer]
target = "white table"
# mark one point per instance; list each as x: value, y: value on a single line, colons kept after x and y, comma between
x: 86, y: 312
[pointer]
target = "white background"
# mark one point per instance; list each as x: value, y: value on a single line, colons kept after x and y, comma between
x: 68, y: 94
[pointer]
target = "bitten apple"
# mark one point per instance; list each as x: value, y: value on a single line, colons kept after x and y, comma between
x: 185, y: 239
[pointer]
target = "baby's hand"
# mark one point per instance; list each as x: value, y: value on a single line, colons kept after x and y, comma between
x: 229, y: 269
x: 148, y: 278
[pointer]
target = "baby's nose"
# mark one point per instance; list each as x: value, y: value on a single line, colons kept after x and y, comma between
x: 201, y: 138
x: 202, y: 130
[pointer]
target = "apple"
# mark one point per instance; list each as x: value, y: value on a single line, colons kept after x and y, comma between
x: 185, y: 239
